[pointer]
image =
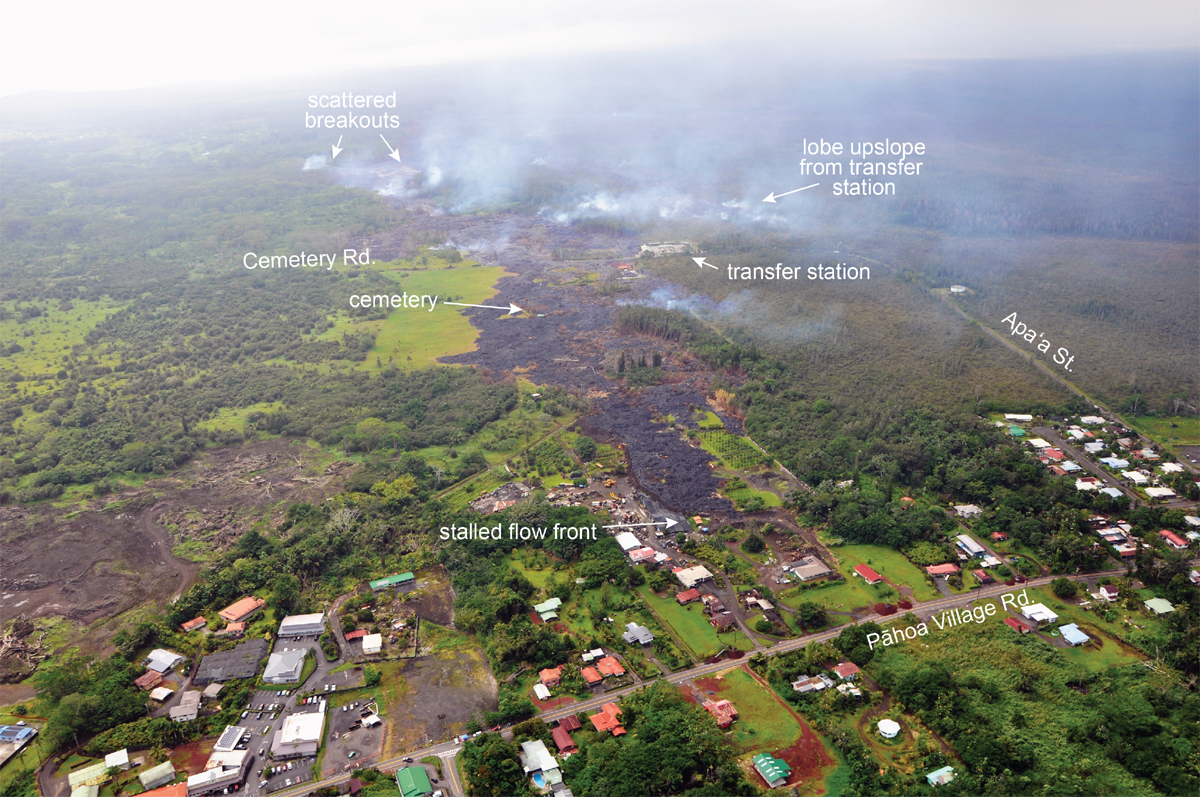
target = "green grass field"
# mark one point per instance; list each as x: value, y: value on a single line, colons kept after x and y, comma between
x: 842, y: 597
x: 52, y: 335
x: 692, y: 627
x: 235, y: 419
x: 1169, y: 432
x: 763, y: 725
x: 416, y: 337
x: 732, y: 450
x: 889, y: 563
x: 1110, y: 652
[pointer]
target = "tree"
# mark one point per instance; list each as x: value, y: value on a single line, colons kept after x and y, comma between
x: 764, y: 626
x: 1064, y: 588
x: 812, y: 614
x: 285, y: 593
x: 585, y: 448
x: 372, y: 676
x: 754, y: 544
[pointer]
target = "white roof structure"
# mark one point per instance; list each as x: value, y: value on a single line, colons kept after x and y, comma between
x: 628, y: 541
x: 372, y: 643
x: 1093, y: 448
x: 161, y: 693
x: 161, y: 660
x: 120, y: 758
x: 536, y: 758
x: 1192, y: 520
x: 300, y: 734
x: 1116, y: 463
x: 1171, y: 467
x: 1160, y: 492
x: 212, y: 690
x: 968, y: 510
x: 889, y: 728
x: 970, y: 546
x: 1112, y: 492
x: 1039, y: 613
x: 156, y: 776
x: 691, y: 576
x: 1073, y: 635
x: 1017, y: 417
x: 1091, y: 420
x: 541, y: 692
x: 1038, y: 442
x: 284, y: 668
x: 371, y: 720
x: 302, y: 624
x: 183, y: 713
x: 1088, y: 483
x: 94, y: 774
x: 1135, y: 476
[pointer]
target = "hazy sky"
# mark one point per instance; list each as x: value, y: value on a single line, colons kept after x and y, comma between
x: 122, y: 45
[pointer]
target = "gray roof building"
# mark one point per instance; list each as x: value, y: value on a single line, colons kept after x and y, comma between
x: 284, y: 668
x: 226, y: 665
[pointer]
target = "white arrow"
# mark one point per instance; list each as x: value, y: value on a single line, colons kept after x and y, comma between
x: 700, y: 262
x: 395, y: 154
x: 669, y: 523
x: 512, y: 308
x: 771, y: 197
x: 337, y: 148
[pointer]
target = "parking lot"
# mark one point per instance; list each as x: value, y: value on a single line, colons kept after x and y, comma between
x: 351, y: 742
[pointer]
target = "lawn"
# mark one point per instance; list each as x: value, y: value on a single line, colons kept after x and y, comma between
x: 416, y: 337
x: 535, y: 566
x: 889, y: 563
x: 763, y: 724
x: 235, y: 419
x: 1111, y: 651
x: 691, y: 626
x: 844, y: 596
x: 1186, y: 431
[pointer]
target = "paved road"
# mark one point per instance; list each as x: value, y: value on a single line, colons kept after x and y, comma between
x: 447, y: 751
x: 1081, y: 458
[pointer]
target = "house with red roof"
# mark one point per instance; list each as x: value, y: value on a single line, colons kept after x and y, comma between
x: 591, y: 675
x: 194, y: 624
x: 551, y: 676
x: 1016, y: 625
x: 942, y: 570
x: 722, y: 710
x: 610, y: 666
x: 569, y: 723
x: 606, y: 719
x: 359, y: 634
x: 563, y: 740
x: 148, y: 680
x: 868, y: 574
x: 688, y: 596
x: 846, y: 670
x: 1173, y: 539
x: 242, y: 610
x: 982, y: 576
x: 999, y: 536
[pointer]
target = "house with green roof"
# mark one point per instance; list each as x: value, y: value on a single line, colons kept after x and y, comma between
x: 413, y: 782
x: 398, y: 580
x: 775, y: 771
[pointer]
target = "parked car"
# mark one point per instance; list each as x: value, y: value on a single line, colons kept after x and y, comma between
x: 352, y: 754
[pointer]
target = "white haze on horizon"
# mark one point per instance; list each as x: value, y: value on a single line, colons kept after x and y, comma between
x: 139, y: 44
